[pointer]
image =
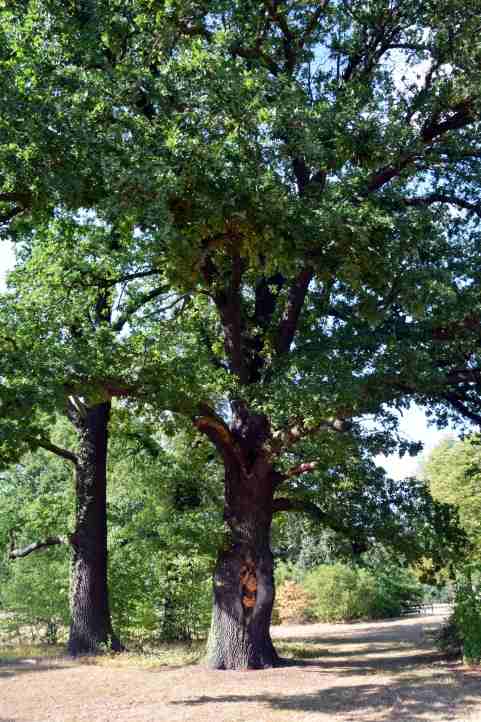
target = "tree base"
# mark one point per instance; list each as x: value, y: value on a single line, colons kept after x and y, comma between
x: 80, y: 647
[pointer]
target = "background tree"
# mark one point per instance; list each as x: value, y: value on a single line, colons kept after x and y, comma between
x: 63, y: 317
x: 162, y: 538
x: 452, y: 472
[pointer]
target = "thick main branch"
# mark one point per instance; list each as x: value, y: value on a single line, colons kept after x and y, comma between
x: 295, y: 302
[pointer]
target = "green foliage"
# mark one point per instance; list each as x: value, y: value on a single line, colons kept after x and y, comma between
x: 453, y: 472
x: 467, y: 613
x: 340, y: 593
x: 158, y: 595
x: 168, y: 168
x: 397, y: 589
x: 448, y: 639
x: 287, y: 571
x: 343, y: 593
x: 34, y: 600
x: 162, y: 540
x: 301, y: 543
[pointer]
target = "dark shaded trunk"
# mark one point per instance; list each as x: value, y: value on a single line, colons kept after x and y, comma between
x: 91, y: 627
x: 243, y: 579
x: 239, y: 636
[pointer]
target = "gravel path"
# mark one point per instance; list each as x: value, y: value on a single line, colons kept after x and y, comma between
x: 376, y: 672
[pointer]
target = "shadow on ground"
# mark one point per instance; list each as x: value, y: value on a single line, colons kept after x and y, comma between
x: 411, y: 700
x: 410, y: 681
x: 348, y: 667
x: 11, y: 669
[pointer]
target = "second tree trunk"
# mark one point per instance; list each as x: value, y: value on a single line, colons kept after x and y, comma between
x: 91, y: 627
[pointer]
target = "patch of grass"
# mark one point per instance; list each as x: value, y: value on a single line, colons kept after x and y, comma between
x: 174, y: 654
x: 304, y: 650
x: 17, y: 652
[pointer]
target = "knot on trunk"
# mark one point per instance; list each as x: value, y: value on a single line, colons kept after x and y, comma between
x: 248, y: 581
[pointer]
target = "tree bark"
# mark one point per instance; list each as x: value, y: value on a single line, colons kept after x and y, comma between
x: 239, y: 637
x: 91, y: 627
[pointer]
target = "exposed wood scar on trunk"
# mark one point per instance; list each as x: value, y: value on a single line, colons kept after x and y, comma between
x: 248, y: 581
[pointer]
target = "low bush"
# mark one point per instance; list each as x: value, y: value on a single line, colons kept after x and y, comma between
x: 340, y: 592
x: 397, y: 590
x: 293, y: 604
x: 343, y: 593
x: 35, y: 598
x: 156, y: 595
x: 467, y: 615
x: 448, y: 639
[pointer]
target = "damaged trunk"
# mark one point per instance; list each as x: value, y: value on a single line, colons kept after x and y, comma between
x: 91, y: 627
x: 243, y: 579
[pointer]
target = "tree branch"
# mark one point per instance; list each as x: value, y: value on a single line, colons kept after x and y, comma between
x: 134, y: 276
x: 217, y: 431
x: 443, y: 198
x: 288, y: 37
x: 229, y: 305
x: 11, y: 214
x: 387, y: 173
x: 266, y: 299
x: 301, y: 469
x: 314, y: 19
x: 35, y: 546
x: 295, y: 302
x: 457, y: 403
x: 463, y: 115
x: 57, y: 450
x: 21, y: 199
x: 133, y: 307
x: 255, y: 54
x: 308, y: 507
x: 285, y: 439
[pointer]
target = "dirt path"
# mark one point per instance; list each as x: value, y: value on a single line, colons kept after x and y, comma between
x: 377, y: 672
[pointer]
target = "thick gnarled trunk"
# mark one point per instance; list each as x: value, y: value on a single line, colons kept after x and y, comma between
x: 243, y: 579
x: 239, y: 637
x: 91, y: 627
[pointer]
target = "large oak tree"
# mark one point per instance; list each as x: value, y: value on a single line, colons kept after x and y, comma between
x: 306, y: 175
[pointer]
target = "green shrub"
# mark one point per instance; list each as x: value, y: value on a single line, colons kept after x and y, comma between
x: 158, y: 595
x: 35, y: 597
x: 467, y: 615
x: 397, y: 589
x: 343, y: 593
x: 448, y: 639
x: 340, y: 592
x: 288, y: 572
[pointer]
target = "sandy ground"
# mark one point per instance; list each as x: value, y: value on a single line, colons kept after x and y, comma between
x: 373, y: 672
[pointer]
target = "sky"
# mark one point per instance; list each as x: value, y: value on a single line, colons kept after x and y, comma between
x: 6, y: 261
x: 413, y: 423
x: 414, y: 426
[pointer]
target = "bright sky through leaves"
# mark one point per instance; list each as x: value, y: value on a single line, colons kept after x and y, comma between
x: 6, y: 261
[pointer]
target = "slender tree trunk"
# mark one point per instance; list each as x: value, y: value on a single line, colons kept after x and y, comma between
x: 91, y: 626
x: 243, y: 579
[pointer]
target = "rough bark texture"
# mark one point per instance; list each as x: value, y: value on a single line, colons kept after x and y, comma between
x: 91, y: 626
x: 243, y: 579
